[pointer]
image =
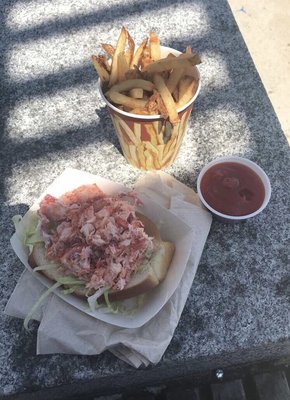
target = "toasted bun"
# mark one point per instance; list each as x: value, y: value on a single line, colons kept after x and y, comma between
x: 37, y: 258
x: 148, y: 275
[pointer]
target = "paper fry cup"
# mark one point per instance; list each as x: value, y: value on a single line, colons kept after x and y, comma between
x: 150, y: 142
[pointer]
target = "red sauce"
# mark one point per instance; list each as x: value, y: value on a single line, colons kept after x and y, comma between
x: 232, y: 189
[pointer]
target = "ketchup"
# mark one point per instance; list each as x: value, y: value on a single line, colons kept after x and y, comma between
x: 232, y: 189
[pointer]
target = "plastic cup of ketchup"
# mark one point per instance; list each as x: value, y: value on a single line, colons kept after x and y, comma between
x: 233, y: 188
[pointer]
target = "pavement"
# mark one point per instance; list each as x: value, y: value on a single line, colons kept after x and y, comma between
x: 265, y: 26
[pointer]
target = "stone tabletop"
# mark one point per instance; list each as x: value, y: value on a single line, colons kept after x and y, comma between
x: 52, y: 118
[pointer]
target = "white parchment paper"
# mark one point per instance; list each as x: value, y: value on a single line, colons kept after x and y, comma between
x: 65, y: 329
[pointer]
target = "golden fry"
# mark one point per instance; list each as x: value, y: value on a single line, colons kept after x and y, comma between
x: 119, y: 49
x: 166, y: 64
x: 167, y: 99
x: 174, y: 79
x: 131, y: 84
x: 139, y: 111
x: 134, y: 73
x: 103, y: 60
x: 126, y: 101
x: 101, y: 70
x: 188, y: 94
x: 155, y: 52
x: 108, y: 49
x: 136, y: 93
x: 138, y: 54
x: 122, y: 66
x: 131, y: 48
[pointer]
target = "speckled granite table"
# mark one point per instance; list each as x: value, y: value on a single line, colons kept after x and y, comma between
x: 52, y: 118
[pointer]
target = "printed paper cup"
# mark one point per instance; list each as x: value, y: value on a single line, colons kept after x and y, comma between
x: 150, y: 142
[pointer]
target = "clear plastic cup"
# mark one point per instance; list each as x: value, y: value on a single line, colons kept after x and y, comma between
x: 150, y: 142
x: 258, y: 170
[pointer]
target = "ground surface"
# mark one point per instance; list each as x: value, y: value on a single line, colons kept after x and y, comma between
x: 265, y: 26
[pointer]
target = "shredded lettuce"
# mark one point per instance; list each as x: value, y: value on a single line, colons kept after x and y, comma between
x: 68, y: 280
x: 45, y: 267
x: 109, y: 305
x: 28, y: 233
x: 19, y: 227
x: 93, y: 300
x: 70, y: 290
x: 38, y: 303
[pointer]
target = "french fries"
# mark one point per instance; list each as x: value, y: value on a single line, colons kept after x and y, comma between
x: 119, y: 49
x: 138, y: 80
x: 167, y: 98
x: 155, y: 51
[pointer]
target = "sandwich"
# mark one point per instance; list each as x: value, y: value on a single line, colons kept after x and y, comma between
x: 99, y: 247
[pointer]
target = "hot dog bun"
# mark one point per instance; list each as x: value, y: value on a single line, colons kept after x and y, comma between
x: 148, y: 275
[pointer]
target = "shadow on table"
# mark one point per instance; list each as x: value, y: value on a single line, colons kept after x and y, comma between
x: 222, y: 37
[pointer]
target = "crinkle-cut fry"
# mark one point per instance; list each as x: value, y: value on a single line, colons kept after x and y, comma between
x: 138, y: 54
x: 167, y: 99
x: 119, y: 49
x: 131, y: 48
x: 131, y: 135
x: 126, y: 101
x: 155, y: 52
x: 100, y: 69
x: 131, y: 84
x: 136, y: 93
x: 169, y: 63
x: 187, y: 94
x: 122, y: 66
x: 109, y: 49
x: 174, y: 79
